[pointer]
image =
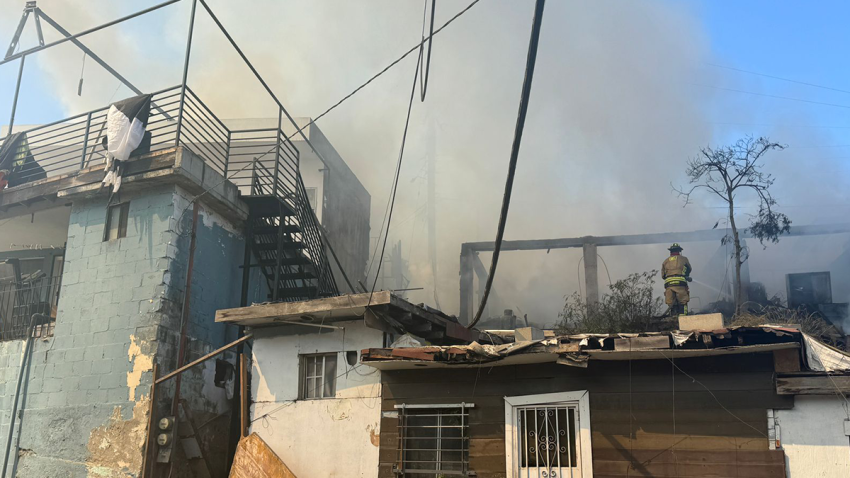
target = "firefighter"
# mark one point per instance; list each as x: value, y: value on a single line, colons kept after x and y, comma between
x: 676, y: 272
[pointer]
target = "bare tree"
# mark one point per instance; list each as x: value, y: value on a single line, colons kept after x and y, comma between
x: 727, y: 171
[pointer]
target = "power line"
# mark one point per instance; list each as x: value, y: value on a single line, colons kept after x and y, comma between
x: 520, y: 124
x: 774, y: 96
x: 778, y: 78
x: 780, y: 125
x: 394, y: 63
x: 391, y: 200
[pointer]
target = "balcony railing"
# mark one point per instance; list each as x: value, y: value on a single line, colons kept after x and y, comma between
x: 261, y: 162
x: 20, y: 300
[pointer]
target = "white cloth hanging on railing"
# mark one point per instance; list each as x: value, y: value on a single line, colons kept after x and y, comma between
x: 125, y: 128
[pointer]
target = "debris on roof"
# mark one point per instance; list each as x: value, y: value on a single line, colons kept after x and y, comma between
x: 577, y: 350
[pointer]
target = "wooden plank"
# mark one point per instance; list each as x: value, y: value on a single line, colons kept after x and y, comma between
x: 651, y: 441
x: 690, y: 456
x: 786, y: 361
x: 813, y: 385
x: 643, y: 343
x: 708, y: 470
x: 254, y: 459
x: 343, y: 307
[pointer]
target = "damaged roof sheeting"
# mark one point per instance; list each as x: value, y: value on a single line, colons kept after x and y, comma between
x: 577, y: 350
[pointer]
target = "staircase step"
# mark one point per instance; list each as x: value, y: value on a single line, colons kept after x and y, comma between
x: 273, y: 230
x: 298, y: 276
x: 287, y: 261
x: 285, y: 246
x: 267, y: 206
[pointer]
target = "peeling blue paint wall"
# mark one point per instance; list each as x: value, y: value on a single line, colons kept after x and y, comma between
x: 85, y: 405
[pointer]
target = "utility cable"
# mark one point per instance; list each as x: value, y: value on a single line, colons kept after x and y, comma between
x: 391, y: 201
x: 520, y: 124
x: 775, y: 96
x: 778, y: 78
x: 423, y: 75
x: 394, y: 63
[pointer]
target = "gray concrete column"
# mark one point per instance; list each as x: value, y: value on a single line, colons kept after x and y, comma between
x: 591, y: 276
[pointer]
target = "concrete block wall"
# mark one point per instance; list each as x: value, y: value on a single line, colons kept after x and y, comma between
x: 86, y: 399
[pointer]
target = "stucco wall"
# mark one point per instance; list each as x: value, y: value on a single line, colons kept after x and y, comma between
x: 336, y: 437
x: 812, y: 434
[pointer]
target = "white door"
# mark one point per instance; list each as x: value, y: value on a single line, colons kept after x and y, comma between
x: 548, y: 436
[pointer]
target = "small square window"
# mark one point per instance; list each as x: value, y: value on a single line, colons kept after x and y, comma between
x: 318, y: 376
x: 116, y: 221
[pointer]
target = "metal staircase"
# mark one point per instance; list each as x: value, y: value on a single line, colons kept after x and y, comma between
x: 283, y: 234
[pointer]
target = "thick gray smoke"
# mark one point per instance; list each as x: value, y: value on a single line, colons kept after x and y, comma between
x: 616, y: 109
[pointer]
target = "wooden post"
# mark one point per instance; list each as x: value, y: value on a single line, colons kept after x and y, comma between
x: 243, y: 395
x: 467, y: 256
x: 591, y: 276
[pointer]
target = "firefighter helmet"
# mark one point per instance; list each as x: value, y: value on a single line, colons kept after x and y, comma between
x: 674, y: 247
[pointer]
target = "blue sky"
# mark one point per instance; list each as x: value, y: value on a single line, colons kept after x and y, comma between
x: 795, y: 40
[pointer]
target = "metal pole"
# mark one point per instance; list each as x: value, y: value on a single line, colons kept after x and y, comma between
x: 262, y: 81
x: 185, y: 74
x: 40, y: 13
x: 187, y: 300
x: 15, y: 101
x: 277, y: 153
x: 90, y: 30
x: 86, y: 141
x: 204, y: 358
x: 27, y: 347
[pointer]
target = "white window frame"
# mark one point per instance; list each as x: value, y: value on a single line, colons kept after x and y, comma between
x: 302, y: 375
x: 580, y: 397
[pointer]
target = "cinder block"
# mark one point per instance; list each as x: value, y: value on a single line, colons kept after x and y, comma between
x: 77, y: 397
x: 118, y: 395
x: 81, y: 368
x: 90, y: 382
x: 99, y: 325
x: 36, y: 401
x: 83, y: 340
x: 101, y: 367
x: 93, y: 353
x: 119, y: 323
x: 701, y: 322
x: 102, y: 298
x: 96, y: 396
x: 51, y: 386
x: 80, y: 326
x: 56, y: 400
x: 117, y: 350
x: 63, y: 369
x: 74, y: 355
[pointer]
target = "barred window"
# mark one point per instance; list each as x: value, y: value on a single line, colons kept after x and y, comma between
x: 318, y: 376
x: 434, y: 440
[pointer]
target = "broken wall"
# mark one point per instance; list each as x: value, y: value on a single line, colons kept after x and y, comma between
x: 336, y: 436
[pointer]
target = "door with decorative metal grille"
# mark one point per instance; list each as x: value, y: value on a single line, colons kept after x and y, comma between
x: 548, y: 438
x: 547, y: 441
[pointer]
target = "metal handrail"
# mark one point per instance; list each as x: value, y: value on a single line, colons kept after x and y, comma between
x: 183, y: 119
